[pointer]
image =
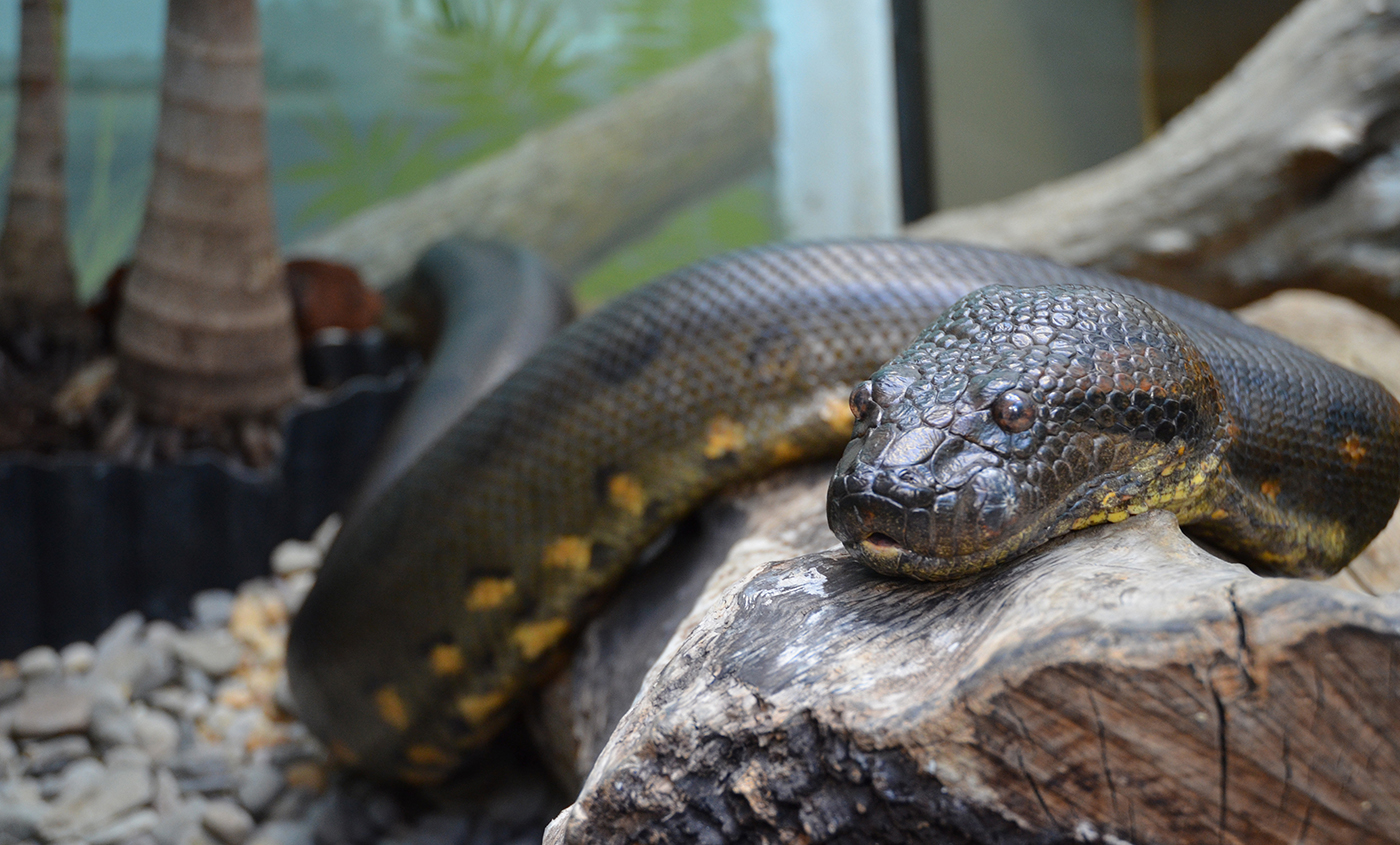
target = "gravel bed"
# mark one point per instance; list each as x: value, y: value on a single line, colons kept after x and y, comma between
x: 158, y: 734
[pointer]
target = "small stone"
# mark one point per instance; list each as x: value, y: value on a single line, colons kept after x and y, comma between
x: 204, y: 769
x: 180, y: 825
x: 258, y: 786
x: 127, y: 756
x: 77, y: 658
x: 84, y: 811
x: 112, y: 724
x: 11, y: 683
x: 39, y: 662
x: 227, y: 821
x: 19, y: 822
x: 156, y: 733
x: 214, y: 651
x: 294, y: 589
x: 121, y: 634
x: 9, y: 753
x: 196, y: 680
x: 211, y: 608
x: 167, y: 799
x: 139, y: 666
x: 50, y: 710
x: 83, y: 775
x: 125, y: 828
x: 326, y: 533
x: 48, y: 756
x: 295, y: 556
x: 282, y: 833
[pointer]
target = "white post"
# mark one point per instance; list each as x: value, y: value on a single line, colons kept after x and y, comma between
x: 837, y: 146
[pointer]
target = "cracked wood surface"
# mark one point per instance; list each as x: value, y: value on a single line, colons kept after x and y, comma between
x: 1120, y: 681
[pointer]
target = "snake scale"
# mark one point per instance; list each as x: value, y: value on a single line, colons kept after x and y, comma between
x: 1049, y: 399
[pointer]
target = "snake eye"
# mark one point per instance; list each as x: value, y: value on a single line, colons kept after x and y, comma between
x: 1014, y: 411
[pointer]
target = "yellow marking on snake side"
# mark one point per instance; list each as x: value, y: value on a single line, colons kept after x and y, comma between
x: 478, y: 708
x: 343, y: 754
x: 1091, y: 519
x: 489, y: 593
x: 785, y: 451
x: 535, y: 638
x: 391, y: 707
x: 1270, y: 489
x: 428, y: 755
x: 626, y: 494
x: 446, y: 660
x: 1352, y: 449
x: 1219, y: 513
x: 836, y: 412
x: 568, y: 552
x: 723, y: 436
x: 1117, y: 516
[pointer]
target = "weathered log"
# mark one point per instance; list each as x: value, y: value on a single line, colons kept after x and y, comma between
x: 573, y: 192
x: 1283, y: 175
x: 1119, y: 682
x: 785, y: 516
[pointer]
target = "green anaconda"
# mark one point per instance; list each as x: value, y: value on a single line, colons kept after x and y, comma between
x: 1050, y: 399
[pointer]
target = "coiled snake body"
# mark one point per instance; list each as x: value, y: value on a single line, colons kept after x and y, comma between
x: 1050, y: 399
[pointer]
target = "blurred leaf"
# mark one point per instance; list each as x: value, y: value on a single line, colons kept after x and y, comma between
x: 360, y: 168
x: 106, y: 227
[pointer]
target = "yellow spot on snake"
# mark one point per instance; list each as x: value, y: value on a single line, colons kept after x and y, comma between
x: 1138, y: 508
x: 446, y: 660
x: 343, y: 754
x: 428, y: 755
x: 625, y: 493
x: 391, y: 707
x: 836, y: 412
x: 1352, y: 449
x: 479, y: 707
x: 723, y: 436
x: 1117, y: 516
x: 535, y: 638
x: 489, y: 593
x: 785, y: 451
x: 1198, y: 479
x: 1270, y: 489
x: 1168, y: 469
x: 568, y: 552
x: 1219, y: 513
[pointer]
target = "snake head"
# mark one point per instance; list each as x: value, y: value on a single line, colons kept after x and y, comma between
x: 1021, y: 414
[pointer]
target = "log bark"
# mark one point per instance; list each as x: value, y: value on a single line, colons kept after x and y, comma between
x: 1285, y: 174
x: 1121, y: 682
x: 784, y: 517
x: 36, y: 279
x: 205, y: 330
x: 597, y: 180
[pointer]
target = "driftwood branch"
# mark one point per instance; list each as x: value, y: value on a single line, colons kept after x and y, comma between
x: 1286, y: 174
x: 600, y: 178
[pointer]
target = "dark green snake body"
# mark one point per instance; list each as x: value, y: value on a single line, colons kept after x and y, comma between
x: 457, y: 591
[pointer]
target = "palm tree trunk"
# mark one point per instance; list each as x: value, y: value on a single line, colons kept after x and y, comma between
x: 205, y: 332
x: 36, y: 280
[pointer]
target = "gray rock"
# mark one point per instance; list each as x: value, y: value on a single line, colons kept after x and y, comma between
x: 121, y: 634
x: 19, y: 822
x: 204, y: 770
x: 214, y: 651
x: 125, y: 828
x: 82, y: 811
x: 229, y: 822
x: 282, y: 833
x: 326, y: 533
x: 77, y: 658
x: 9, y: 753
x: 45, y: 757
x: 39, y: 662
x: 139, y: 667
x: 181, y: 826
x: 167, y: 799
x: 156, y: 733
x: 211, y: 608
x: 127, y: 756
x: 258, y: 786
x: 82, y: 775
x: 195, y: 680
x: 51, y: 709
x: 171, y: 699
x: 112, y: 724
x: 295, y: 556
x: 11, y: 683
